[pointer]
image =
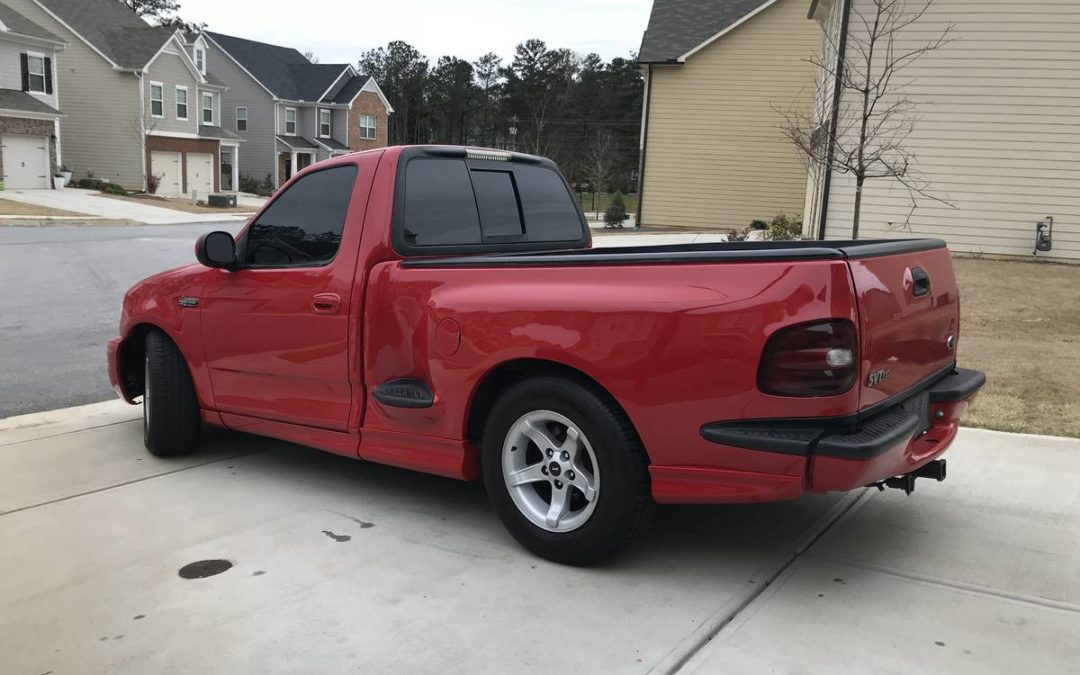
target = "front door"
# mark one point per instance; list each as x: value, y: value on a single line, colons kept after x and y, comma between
x: 276, y: 330
x: 226, y: 169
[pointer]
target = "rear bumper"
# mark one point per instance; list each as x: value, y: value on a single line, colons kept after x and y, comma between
x: 849, y: 453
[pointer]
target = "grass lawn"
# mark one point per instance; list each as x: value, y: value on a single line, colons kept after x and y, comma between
x: 603, y: 200
x: 1020, y: 323
x: 10, y: 207
x: 179, y: 204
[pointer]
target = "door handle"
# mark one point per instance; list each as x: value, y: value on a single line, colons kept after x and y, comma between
x: 326, y: 303
x: 920, y: 282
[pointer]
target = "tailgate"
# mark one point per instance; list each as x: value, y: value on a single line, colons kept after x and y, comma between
x: 909, y: 314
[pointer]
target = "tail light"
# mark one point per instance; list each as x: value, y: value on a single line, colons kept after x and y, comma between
x: 811, y: 359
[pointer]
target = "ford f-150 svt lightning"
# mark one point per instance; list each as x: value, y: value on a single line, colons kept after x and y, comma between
x: 442, y: 309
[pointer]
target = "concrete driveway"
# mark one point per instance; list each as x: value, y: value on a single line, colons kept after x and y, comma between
x: 344, y: 567
x: 92, y: 203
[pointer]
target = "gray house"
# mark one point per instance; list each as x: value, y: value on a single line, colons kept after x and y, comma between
x: 290, y: 112
x: 29, y: 90
x: 136, y: 104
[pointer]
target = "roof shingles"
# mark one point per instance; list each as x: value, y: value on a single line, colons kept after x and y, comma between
x: 284, y: 71
x: 677, y: 26
x: 112, y: 29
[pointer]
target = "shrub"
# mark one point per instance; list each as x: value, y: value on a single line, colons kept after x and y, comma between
x: 758, y: 225
x: 249, y: 184
x: 784, y: 228
x: 266, y: 189
x: 615, y: 214
x: 152, y: 183
x: 737, y: 235
x: 90, y: 183
x: 113, y: 189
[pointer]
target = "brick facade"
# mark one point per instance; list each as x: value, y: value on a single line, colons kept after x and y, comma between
x: 184, y: 146
x: 367, y: 103
x: 27, y: 127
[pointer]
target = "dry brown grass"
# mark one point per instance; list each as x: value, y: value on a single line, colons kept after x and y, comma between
x: 179, y: 204
x: 9, y: 207
x: 1020, y: 323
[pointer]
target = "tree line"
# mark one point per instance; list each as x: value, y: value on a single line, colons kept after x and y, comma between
x: 579, y: 110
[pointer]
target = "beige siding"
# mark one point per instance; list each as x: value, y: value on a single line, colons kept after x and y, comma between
x: 997, y: 132
x: 170, y: 70
x: 715, y: 156
x: 11, y: 68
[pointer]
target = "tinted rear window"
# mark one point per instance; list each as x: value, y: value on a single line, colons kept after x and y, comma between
x: 473, y: 204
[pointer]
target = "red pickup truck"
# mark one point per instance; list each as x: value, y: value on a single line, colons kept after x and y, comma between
x: 442, y: 309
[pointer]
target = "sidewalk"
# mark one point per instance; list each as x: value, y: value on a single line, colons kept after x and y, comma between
x: 342, y: 566
x: 92, y: 203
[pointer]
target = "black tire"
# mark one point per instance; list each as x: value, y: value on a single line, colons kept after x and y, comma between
x: 623, y: 500
x: 171, y: 421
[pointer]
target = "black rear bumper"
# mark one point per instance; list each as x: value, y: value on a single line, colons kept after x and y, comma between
x: 852, y: 437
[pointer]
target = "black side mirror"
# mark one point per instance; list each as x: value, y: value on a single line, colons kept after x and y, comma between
x: 216, y: 249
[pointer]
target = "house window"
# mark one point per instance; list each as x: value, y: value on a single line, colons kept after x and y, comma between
x: 367, y: 126
x: 324, y: 123
x: 200, y: 60
x: 208, y: 109
x: 181, y: 103
x: 157, y: 102
x: 241, y: 119
x: 290, y: 121
x: 35, y: 67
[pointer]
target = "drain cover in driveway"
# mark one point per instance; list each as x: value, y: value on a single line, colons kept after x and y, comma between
x: 201, y: 569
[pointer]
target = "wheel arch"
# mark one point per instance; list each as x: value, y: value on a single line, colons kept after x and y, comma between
x: 506, y: 374
x: 131, y: 354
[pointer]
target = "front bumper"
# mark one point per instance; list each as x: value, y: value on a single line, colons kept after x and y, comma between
x: 852, y: 452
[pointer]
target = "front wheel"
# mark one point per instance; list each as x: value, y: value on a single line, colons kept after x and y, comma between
x: 171, y: 421
x: 565, y: 470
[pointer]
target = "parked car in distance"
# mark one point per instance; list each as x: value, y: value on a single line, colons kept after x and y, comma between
x: 441, y: 309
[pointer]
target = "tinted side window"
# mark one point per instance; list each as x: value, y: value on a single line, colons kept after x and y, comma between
x: 497, y: 201
x: 303, y: 226
x: 439, y: 205
x: 550, y: 212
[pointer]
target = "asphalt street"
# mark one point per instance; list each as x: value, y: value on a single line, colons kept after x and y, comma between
x: 60, y: 293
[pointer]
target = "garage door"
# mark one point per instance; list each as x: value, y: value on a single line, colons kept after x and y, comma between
x: 200, y: 173
x: 166, y: 166
x: 26, y: 161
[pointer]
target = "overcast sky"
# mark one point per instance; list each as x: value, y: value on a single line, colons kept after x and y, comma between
x: 338, y: 31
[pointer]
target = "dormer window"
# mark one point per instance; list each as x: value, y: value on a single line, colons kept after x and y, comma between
x: 200, y: 59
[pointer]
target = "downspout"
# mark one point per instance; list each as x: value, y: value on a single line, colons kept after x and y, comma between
x: 644, y: 147
x: 834, y: 122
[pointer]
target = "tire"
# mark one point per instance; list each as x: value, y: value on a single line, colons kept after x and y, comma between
x: 601, y: 445
x: 171, y: 420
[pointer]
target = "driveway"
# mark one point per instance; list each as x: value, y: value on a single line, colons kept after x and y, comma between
x: 92, y: 203
x: 340, y: 566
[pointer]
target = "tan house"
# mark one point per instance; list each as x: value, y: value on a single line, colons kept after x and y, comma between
x: 996, y: 131
x: 717, y: 72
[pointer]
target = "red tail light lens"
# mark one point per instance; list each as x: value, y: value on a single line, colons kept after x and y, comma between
x: 811, y: 359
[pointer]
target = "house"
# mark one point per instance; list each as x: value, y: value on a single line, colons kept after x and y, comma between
x: 717, y: 73
x: 996, y: 129
x: 30, y: 150
x: 135, y: 103
x: 291, y: 112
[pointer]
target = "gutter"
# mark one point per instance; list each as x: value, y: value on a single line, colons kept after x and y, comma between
x: 644, y: 147
x: 841, y: 51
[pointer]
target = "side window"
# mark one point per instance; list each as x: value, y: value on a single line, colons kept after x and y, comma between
x: 439, y: 205
x: 550, y: 210
x: 303, y: 226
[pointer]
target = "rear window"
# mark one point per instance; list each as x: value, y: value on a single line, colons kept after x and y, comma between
x: 458, y: 205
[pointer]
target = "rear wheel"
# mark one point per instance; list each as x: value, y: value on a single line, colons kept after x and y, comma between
x: 565, y: 470
x: 171, y: 422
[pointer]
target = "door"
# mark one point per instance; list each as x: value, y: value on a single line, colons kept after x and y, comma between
x: 276, y: 329
x: 166, y: 166
x: 303, y: 160
x: 26, y: 161
x: 200, y: 173
x: 226, y: 169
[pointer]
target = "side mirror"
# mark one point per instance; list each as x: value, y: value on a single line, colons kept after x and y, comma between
x: 216, y: 249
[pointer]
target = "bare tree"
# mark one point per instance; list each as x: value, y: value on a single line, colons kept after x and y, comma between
x: 599, y: 161
x: 874, y: 118
x: 310, y: 56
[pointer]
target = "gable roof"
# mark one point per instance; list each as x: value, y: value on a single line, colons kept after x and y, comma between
x: 112, y: 29
x: 679, y: 27
x: 348, y: 91
x: 285, y: 72
x: 18, y: 24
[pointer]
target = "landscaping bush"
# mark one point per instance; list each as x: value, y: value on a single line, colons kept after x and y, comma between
x: 784, y: 228
x: 615, y: 214
x: 90, y: 183
x: 113, y: 189
x: 758, y: 225
x: 249, y: 183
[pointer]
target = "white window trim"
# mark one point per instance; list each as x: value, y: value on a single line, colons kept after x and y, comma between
x: 374, y: 127
x: 44, y: 76
x: 329, y: 123
x: 160, y: 86
x: 238, y: 118
x: 294, y: 120
x: 187, y: 103
x: 202, y: 109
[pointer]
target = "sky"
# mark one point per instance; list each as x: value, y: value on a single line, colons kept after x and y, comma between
x: 339, y: 31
